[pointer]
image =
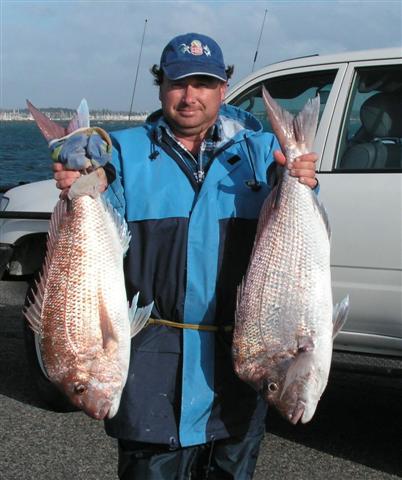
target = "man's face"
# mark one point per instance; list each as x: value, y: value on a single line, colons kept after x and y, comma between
x: 191, y: 105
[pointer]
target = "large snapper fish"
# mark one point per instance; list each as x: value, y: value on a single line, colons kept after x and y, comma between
x: 79, y: 312
x: 285, y: 320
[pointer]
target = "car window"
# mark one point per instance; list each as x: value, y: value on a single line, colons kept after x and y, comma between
x: 371, y: 134
x: 290, y: 91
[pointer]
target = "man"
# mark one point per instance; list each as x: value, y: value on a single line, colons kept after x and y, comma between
x: 190, y: 183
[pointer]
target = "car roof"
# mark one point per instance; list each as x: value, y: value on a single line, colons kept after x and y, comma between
x: 347, y: 56
x: 317, y: 60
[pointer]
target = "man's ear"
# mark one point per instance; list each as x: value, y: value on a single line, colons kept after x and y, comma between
x: 224, y: 87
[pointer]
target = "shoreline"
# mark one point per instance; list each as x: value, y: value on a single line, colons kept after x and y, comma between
x: 133, y: 118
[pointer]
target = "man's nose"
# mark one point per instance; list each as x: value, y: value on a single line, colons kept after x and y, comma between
x: 189, y: 94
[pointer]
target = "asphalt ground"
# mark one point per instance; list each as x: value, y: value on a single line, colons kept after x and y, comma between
x: 356, y: 432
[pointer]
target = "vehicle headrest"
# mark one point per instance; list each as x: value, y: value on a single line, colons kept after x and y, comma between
x: 381, y: 115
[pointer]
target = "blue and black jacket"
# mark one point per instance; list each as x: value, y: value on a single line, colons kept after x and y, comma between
x: 189, y: 251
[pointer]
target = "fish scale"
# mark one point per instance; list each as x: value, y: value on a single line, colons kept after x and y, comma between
x: 82, y: 288
x: 288, y: 269
x: 282, y: 341
x: 77, y: 295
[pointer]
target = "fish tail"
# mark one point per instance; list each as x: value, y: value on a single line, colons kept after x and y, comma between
x: 281, y: 120
x: 305, y: 122
x: 289, y: 129
x: 340, y: 314
x: 80, y: 118
x: 50, y: 129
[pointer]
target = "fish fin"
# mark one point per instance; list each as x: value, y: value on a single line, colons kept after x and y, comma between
x: 50, y: 129
x: 39, y: 356
x: 109, y: 337
x: 271, y: 203
x: 275, y: 199
x: 90, y: 184
x: 240, y: 289
x: 59, y: 212
x: 239, y: 295
x: 32, y: 311
x: 305, y: 123
x: 281, y: 120
x: 121, y: 225
x: 138, y: 316
x: 341, y: 311
x: 323, y: 213
x: 80, y: 118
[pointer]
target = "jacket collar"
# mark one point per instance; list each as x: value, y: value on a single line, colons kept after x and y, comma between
x: 233, y: 121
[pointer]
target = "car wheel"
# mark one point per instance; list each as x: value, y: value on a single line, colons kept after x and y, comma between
x: 52, y: 397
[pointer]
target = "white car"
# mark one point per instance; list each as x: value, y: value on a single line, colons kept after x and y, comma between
x: 359, y: 143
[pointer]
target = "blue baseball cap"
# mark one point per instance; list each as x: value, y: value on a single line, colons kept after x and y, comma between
x: 192, y: 54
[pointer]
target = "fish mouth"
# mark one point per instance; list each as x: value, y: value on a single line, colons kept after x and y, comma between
x: 297, y: 413
x: 98, y: 413
x: 102, y: 413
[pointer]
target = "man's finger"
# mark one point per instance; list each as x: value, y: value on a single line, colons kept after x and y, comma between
x: 66, y: 176
x: 57, y: 166
x: 307, y: 157
x: 279, y: 157
x: 310, y: 182
x: 302, y: 169
x: 303, y: 165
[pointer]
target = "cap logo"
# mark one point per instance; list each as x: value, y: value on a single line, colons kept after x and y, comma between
x: 195, y: 48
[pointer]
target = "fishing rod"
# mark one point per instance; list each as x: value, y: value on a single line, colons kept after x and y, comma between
x: 138, y: 67
x: 259, y: 40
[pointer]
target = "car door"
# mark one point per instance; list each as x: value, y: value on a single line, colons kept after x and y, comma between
x: 361, y: 186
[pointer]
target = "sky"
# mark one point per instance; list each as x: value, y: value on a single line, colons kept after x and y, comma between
x: 56, y: 52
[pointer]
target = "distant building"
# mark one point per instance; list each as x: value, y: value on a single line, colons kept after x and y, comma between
x: 65, y: 114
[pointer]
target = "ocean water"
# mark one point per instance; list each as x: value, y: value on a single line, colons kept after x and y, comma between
x: 24, y: 155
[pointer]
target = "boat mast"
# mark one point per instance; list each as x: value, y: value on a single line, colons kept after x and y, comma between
x: 138, y: 67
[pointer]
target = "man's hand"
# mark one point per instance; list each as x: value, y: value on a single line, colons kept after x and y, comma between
x: 65, y: 178
x: 303, y: 167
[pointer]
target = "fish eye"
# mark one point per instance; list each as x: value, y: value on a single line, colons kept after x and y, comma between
x: 269, y: 387
x: 79, y: 388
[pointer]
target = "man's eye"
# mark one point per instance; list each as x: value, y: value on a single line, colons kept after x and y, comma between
x: 176, y: 85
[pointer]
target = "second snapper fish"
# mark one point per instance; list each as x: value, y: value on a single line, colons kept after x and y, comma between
x: 285, y: 321
x: 79, y: 313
